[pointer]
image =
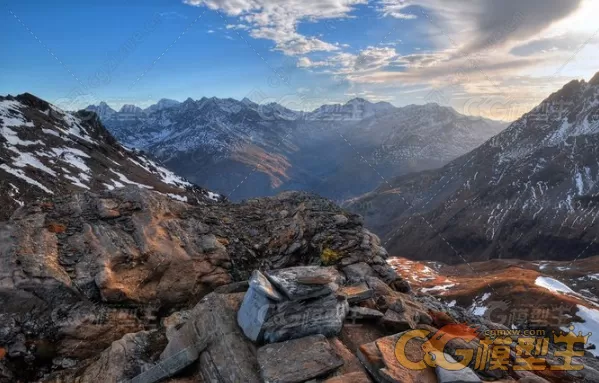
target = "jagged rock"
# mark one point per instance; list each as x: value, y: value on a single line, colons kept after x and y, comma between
x: 340, y: 220
x: 358, y: 272
x: 297, y: 319
x: 464, y: 375
x: 262, y: 285
x: 356, y: 293
x: 363, y: 313
x: 17, y: 348
x: 397, y: 322
x: 168, y: 367
x: 125, y: 359
x: 287, y: 281
x: 212, y: 327
x: 297, y: 360
x: 5, y: 375
x: 188, y: 337
x: 174, y: 322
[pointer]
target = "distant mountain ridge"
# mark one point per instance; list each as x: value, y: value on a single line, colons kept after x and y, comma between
x: 530, y: 192
x: 245, y: 149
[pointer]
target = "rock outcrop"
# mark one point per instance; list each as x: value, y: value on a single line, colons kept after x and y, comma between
x: 157, y: 291
x: 81, y: 271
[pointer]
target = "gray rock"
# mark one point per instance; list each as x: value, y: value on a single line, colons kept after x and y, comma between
x: 532, y: 378
x: 286, y: 281
x: 124, y: 359
x: 212, y: 332
x: 358, y: 272
x: 209, y: 243
x: 363, y: 313
x: 295, y: 246
x: 397, y: 322
x: 465, y: 375
x: 235, y: 287
x: 297, y: 360
x: 232, y: 357
x: 254, y: 311
x: 188, y: 337
x: 18, y: 348
x: 297, y: 319
x: 168, y: 367
x: 340, y: 220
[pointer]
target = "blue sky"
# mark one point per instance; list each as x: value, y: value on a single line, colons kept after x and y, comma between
x: 476, y: 56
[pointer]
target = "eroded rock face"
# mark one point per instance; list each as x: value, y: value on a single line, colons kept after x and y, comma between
x: 99, y: 266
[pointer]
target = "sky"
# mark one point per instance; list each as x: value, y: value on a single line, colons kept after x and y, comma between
x: 496, y: 59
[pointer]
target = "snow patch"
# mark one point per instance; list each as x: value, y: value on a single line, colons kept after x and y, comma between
x: 19, y: 173
x: 553, y: 285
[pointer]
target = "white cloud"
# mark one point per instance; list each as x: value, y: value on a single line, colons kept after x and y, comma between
x: 278, y: 20
x: 305, y: 62
x: 238, y: 26
x: 472, y: 47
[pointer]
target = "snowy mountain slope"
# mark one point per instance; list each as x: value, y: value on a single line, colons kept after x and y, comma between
x: 530, y: 192
x: 246, y: 149
x: 46, y: 151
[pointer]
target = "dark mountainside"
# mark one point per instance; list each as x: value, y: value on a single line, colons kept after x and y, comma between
x: 530, y: 192
x: 45, y: 151
x: 338, y: 151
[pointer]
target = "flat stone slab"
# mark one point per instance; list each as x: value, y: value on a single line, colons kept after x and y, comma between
x: 298, y: 319
x: 357, y: 293
x: 259, y: 282
x: 288, y: 282
x: 297, y: 360
x: 465, y: 375
x: 255, y: 309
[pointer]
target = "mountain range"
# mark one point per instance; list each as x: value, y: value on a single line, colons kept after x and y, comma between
x: 529, y: 192
x: 244, y: 149
x: 45, y: 151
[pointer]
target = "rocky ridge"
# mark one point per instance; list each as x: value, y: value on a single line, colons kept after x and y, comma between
x: 338, y: 151
x: 130, y: 285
